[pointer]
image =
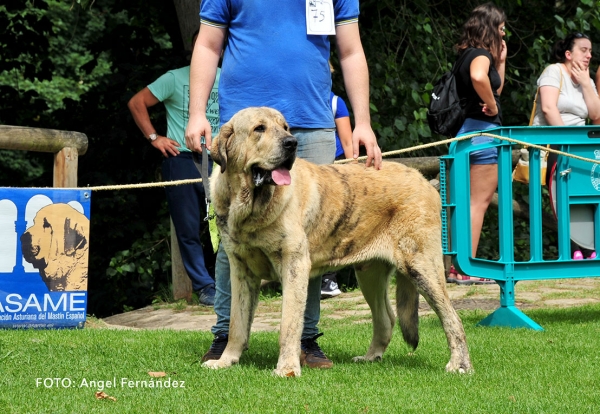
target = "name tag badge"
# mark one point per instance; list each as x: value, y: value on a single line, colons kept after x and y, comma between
x: 320, y: 19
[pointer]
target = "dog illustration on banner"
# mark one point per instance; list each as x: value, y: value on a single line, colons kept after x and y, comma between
x: 57, y: 245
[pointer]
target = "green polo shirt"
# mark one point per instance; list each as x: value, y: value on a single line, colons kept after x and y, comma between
x: 173, y: 89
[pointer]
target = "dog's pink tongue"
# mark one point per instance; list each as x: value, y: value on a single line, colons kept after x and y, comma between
x: 281, y: 176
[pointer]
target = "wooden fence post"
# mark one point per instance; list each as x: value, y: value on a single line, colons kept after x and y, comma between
x: 65, y: 168
x: 182, y: 285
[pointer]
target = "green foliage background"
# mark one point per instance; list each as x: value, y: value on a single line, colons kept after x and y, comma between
x: 68, y: 67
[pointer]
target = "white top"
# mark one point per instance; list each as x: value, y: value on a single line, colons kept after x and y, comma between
x: 571, y: 104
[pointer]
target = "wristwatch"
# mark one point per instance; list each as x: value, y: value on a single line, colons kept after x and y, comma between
x: 153, y: 136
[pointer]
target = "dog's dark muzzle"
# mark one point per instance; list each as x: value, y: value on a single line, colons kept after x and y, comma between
x: 290, y: 144
x: 281, y: 174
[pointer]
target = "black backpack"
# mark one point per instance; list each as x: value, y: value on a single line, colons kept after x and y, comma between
x: 445, y: 114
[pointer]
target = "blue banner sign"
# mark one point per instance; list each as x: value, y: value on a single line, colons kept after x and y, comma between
x: 44, y: 247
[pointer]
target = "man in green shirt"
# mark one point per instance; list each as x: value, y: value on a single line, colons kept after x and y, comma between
x: 186, y: 202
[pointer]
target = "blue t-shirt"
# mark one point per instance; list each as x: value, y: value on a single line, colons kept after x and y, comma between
x: 341, y: 111
x: 269, y: 60
x: 173, y: 89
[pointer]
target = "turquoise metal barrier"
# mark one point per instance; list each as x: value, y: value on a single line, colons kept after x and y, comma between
x: 577, y: 183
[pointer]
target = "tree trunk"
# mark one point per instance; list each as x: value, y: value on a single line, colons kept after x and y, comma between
x: 189, y: 19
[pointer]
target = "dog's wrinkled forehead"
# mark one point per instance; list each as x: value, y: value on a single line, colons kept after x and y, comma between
x: 259, y: 117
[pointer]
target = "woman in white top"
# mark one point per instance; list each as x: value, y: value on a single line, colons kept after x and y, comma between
x: 568, y: 96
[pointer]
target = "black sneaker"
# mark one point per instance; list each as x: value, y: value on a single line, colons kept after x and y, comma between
x: 216, y: 348
x: 311, y: 355
x: 206, y: 295
x: 329, y: 289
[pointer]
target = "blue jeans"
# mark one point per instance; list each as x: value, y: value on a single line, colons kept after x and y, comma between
x: 485, y: 156
x: 315, y: 145
x: 187, y: 208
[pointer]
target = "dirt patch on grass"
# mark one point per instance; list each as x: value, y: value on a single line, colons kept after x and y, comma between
x: 352, y: 306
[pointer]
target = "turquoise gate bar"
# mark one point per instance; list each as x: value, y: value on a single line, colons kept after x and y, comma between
x: 577, y: 183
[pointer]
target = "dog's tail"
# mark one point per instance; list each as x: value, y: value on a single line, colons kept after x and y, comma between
x: 407, y: 309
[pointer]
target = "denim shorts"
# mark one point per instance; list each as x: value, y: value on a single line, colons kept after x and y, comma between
x: 315, y: 145
x: 485, y: 156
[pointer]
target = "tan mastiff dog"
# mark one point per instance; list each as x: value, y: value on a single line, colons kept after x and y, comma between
x: 286, y: 219
x: 57, y: 245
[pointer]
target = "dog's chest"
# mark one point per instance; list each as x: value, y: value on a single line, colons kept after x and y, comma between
x: 256, y: 253
x: 255, y: 236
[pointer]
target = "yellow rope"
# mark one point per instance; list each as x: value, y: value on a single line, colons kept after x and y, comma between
x: 144, y: 185
x: 386, y: 154
x: 418, y: 147
x: 469, y: 136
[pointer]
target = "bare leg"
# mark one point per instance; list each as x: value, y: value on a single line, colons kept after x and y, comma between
x: 484, y: 180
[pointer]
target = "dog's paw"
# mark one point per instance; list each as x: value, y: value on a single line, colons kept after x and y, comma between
x: 217, y: 364
x: 287, y: 372
x: 367, y: 358
x: 460, y: 368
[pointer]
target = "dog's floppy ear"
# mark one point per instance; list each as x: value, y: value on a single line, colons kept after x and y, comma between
x: 74, y: 237
x: 219, y: 146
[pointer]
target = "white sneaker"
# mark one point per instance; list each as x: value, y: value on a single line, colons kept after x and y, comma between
x: 329, y: 289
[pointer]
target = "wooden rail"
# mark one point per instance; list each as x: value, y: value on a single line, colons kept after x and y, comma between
x: 65, y: 145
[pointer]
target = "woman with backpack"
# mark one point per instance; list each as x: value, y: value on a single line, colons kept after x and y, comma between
x: 479, y: 76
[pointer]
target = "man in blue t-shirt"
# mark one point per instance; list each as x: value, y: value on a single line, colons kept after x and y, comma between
x: 276, y: 54
x: 185, y: 202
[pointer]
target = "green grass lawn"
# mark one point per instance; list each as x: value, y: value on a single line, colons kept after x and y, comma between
x: 516, y: 371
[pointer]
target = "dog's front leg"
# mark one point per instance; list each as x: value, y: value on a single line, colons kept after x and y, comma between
x: 245, y: 289
x: 294, y: 279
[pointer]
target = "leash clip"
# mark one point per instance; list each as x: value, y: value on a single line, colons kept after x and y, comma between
x: 208, y: 215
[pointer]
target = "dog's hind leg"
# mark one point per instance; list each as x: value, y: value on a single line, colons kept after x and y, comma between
x: 427, y: 273
x: 373, y: 280
x: 245, y: 289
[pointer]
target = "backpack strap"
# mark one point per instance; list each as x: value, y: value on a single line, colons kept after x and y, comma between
x: 537, y: 92
x: 459, y: 60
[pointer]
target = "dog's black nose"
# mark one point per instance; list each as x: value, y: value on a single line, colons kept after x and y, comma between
x: 290, y: 143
